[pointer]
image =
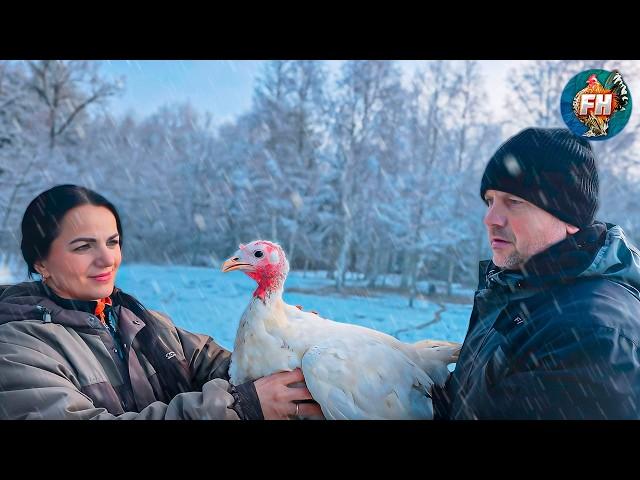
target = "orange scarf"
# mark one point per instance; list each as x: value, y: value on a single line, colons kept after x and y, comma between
x: 100, y: 306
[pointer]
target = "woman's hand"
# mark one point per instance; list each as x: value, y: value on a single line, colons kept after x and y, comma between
x: 279, y: 401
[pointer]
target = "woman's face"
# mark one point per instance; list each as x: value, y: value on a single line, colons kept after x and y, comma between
x: 84, y: 258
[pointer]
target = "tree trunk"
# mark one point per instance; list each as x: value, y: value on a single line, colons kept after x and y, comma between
x: 291, y: 251
x: 343, y: 256
x: 405, y: 279
x: 373, y: 266
x: 417, y: 268
x: 274, y: 228
x: 17, y: 187
x: 450, y: 277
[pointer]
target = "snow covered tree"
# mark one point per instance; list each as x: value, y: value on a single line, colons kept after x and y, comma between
x: 291, y: 105
x: 365, y: 90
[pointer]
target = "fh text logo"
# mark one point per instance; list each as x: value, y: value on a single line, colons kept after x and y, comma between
x: 595, y: 103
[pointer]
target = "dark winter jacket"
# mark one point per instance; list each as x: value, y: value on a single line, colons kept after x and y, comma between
x: 558, y: 340
x: 63, y: 363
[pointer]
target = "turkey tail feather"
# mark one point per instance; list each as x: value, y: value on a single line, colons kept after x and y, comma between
x: 439, y: 349
x: 435, y: 355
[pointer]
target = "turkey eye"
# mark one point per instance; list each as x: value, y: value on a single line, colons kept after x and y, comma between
x: 258, y: 253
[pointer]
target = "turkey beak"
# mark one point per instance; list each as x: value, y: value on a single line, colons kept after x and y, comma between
x: 234, y: 263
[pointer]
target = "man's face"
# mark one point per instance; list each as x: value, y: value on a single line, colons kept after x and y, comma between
x: 518, y: 229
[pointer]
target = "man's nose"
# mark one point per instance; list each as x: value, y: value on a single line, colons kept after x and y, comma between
x: 495, y: 216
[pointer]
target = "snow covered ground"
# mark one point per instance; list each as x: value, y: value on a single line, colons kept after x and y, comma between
x: 204, y: 300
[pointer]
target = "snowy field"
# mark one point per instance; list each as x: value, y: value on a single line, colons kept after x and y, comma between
x: 204, y: 300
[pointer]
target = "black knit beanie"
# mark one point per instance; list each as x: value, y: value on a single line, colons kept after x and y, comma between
x: 549, y: 167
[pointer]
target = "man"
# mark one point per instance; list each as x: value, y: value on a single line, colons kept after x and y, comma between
x: 555, y: 326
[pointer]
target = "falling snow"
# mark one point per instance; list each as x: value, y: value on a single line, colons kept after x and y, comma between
x: 366, y: 172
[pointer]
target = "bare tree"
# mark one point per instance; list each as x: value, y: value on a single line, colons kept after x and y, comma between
x: 68, y: 88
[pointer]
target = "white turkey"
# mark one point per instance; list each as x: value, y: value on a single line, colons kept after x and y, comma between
x: 353, y: 372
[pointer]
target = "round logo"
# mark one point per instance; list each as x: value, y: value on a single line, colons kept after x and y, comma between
x: 596, y: 104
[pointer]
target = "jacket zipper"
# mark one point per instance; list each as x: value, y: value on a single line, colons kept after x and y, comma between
x: 45, y: 313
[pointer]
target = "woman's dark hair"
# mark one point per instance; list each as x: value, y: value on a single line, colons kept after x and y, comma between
x: 41, y: 225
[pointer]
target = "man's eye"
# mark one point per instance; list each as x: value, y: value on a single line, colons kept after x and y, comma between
x: 515, y: 201
x: 114, y: 242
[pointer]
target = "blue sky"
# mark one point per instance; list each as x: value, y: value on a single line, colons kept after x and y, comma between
x: 224, y: 87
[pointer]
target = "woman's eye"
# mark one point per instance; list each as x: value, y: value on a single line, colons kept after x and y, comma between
x: 114, y: 242
x: 81, y: 247
x: 258, y: 253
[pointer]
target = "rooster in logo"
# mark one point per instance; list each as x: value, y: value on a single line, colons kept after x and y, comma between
x: 598, y: 125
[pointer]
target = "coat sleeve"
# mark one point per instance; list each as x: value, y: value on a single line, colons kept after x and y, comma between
x: 208, y: 361
x: 441, y: 400
x: 36, y: 385
x: 571, y: 370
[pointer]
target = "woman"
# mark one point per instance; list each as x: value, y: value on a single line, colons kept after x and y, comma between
x: 75, y: 346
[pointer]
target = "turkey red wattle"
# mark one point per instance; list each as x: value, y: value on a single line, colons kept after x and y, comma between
x: 269, y: 278
x: 264, y: 262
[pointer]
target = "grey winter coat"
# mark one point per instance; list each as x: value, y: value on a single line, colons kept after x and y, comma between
x: 58, y: 363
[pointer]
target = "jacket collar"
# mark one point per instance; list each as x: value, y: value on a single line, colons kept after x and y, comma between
x: 31, y: 301
x: 560, y: 263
